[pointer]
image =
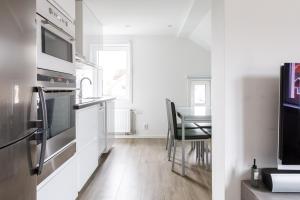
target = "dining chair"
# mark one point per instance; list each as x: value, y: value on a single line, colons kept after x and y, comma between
x: 200, y: 146
x: 196, y: 135
x: 206, y: 130
x: 187, y: 126
x: 203, y: 125
x: 179, y: 126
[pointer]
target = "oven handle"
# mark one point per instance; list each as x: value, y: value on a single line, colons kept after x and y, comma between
x: 44, y: 133
x: 45, y: 22
x: 46, y: 89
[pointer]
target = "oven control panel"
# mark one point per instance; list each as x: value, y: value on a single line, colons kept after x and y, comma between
x: 48, y: 78
x: 54, y: 15
x: 58, y: 16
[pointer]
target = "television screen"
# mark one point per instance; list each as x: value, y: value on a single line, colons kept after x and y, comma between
x: 289, y: 124
x: 291, y: 83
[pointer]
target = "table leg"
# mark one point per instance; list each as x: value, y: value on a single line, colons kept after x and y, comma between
x: 210, y: 154
x: 183, y: 148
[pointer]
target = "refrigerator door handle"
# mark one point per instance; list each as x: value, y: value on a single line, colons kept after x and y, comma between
x: 44, y: 133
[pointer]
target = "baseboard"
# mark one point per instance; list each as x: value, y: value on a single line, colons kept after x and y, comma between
x: 141, y: 136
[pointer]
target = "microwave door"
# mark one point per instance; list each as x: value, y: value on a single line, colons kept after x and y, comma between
x: 55, y: 48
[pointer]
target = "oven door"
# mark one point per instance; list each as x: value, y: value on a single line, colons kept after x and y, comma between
x: 55, y: 47
x: 61, y: 121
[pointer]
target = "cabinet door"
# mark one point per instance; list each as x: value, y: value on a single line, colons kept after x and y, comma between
x: 110, y: 124
x: 101, y: 131
x: 92, y: 34
x: 87, y: 162
x: 61, y: 184
x: 87, y: 131
x: 86, y: 126
x: 68, y: 6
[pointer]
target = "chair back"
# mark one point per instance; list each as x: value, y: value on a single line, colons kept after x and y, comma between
x: 168, y: 111
x: 173, y: 118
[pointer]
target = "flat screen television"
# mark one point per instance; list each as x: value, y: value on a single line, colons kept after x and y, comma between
x: 289, y: 118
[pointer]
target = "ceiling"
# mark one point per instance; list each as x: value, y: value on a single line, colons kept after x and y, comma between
x: 141, y: 17
x: 202, y: 33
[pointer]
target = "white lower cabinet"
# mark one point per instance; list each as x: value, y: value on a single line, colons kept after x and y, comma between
x: 101, y: 129
x: 87, y: 162
x: 86, y: 126
x: 110, y: 124
x: 61, y: 184
x: 87, y: 136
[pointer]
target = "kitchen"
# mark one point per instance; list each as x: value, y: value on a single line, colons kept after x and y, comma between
x: 60, y: 120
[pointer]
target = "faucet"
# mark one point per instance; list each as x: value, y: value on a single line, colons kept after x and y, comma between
x: 84, y: 78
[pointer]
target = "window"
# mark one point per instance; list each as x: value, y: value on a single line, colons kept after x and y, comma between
x: 199, y: 91
x: 116, y: 63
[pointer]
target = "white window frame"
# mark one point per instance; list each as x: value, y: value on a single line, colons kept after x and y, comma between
x: 196, y: 80
x: 121, y: 46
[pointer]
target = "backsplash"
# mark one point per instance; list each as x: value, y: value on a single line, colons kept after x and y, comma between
x: 89, y: 90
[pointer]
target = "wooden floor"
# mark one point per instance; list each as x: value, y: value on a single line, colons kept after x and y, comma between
x: 138, y: 169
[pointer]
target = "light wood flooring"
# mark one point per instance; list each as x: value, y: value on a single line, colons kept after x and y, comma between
x: 138, y: 169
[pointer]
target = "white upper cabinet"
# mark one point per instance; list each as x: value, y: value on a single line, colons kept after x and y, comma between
x: 89, y: 36
x: 67, y: 6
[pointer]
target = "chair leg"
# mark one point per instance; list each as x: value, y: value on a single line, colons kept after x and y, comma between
x: 193, y: 145
x: 183, y: 158
x: 170, y: 147
x: 198, y: 152
x: 202, y: 152
x: 206, y: 152
x: 210, y: 154
x: 168, y: 136
x: 174, y: 152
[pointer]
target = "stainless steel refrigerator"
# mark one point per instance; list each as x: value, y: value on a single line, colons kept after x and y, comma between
x: 18, y: 156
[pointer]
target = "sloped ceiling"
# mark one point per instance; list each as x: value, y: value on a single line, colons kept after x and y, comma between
x: 181, y: 18
x: 202, y: 33
x: 140, y: 17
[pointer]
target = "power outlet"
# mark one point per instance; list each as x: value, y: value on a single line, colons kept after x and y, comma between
x: 146, y: 126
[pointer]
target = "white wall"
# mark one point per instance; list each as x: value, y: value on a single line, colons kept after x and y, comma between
x: 160, y: 67
x: 259, y: 36
x: 218, y: 99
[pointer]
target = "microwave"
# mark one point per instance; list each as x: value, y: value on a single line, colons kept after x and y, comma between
x: 55, y: 39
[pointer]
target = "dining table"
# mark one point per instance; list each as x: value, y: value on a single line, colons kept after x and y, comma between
x: 192, y: 114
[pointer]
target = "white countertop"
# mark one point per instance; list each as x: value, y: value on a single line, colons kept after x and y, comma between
x: 86, y: 102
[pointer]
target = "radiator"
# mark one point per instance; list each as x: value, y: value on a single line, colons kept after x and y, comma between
x: 124, y: 121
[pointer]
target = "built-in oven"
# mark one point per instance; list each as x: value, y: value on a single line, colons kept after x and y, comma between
x: 55, y: 38
x: 59, y: 98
